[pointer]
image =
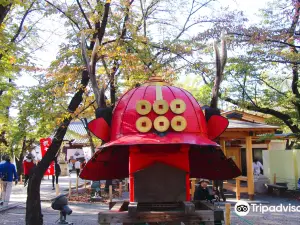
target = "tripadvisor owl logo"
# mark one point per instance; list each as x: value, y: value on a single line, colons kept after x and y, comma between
x: 242, y: 208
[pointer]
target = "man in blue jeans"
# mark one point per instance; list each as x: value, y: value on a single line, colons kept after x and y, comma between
x: 8, y: 174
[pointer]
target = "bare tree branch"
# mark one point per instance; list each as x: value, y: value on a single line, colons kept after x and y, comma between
x: 84, y: 15
x: 192, y: 12
x: 104, y: 22
x: 64, y: 13
x: 22, y: 22
x: 265, y: 40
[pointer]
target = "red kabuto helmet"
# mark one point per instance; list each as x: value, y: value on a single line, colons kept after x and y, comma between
x: 158, y: 114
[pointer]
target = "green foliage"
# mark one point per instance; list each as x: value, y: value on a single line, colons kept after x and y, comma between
x: 201, y: 91
x: 264, y: 62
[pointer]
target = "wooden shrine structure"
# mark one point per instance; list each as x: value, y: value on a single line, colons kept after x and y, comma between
x: 244, y: 129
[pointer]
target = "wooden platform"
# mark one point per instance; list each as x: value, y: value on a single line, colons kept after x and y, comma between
x: 171, y: 213
x: 237, y: 188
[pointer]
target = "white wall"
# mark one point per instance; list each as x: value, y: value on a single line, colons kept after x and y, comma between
x: 285, y: 164
x: 277, y: 144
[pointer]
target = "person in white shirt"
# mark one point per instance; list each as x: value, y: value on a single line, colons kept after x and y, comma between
x: 257, y: 167
x: 77, y: 167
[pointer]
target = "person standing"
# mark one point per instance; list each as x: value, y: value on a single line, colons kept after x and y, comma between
x: 257, y: 167
x: 1, y: 186
x: 77, y: 167
x: 57, y: 173
x: 28, y: 164
x: 8, y: 174
x: 70, y: 165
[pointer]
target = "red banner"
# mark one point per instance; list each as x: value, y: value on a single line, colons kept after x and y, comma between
x: 45, y: 144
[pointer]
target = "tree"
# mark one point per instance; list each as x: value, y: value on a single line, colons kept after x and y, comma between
x: 33, y: 203
x: 39, y: 112
x: 17, y: 30
x: 138, y: 42
x: 264, y: 77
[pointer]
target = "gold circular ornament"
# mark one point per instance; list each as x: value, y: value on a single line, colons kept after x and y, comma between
x: 178, y: 123
x: 178, y: 106
x: 143, y: 107
x: 161, y: 123
x: 160, y: 107
x: 143, y: 124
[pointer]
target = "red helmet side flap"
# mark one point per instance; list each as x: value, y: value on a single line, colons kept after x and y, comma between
x: 216, y: 125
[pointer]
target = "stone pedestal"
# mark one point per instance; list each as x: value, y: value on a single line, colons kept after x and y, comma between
x: 260, y: 184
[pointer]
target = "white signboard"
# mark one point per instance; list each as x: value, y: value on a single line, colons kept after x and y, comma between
x: 74, y: 154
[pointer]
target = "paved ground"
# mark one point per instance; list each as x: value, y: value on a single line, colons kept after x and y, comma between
x: 83, y: 214
x: 273, y: 218
x: 86, y: 213
x: 19, y: 193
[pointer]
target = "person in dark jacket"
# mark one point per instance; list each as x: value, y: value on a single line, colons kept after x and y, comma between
x: 57, y: 173
x: 202, y: 192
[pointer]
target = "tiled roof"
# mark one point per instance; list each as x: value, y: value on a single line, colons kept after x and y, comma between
x: 77, y: 132
x: 237, y: 124
x: 247, y: 112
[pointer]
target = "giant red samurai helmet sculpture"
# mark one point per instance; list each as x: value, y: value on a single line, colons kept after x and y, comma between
x: 157, y: 133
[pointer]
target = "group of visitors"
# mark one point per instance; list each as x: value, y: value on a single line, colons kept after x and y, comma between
x: 30, y: 162
x: 8, y: 175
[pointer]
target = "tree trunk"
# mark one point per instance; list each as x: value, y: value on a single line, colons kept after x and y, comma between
x: 19, y: 160
x: 112, y: 90
x: 4, y: 11
x: 33, y: 204
x: 289, y: 145
x: 85, y: 124
x: 19, y: 164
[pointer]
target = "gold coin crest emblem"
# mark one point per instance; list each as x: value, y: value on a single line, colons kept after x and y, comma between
x: 178, y: 106
x: 160, y: 107
x: 178, y: 123
x: 143, y: 107
x: 161, y: 123
x: 143, y: 124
